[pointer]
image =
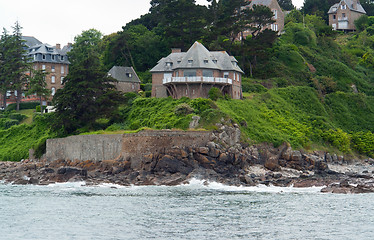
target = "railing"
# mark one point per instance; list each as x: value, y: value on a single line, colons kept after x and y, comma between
x: 343, y: 19
x: 196, y: 80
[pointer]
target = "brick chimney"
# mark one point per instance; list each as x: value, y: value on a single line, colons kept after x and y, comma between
x: 354, y: 4
x: 58, y: 46
x: 70, y: 44
x: 176, y: 50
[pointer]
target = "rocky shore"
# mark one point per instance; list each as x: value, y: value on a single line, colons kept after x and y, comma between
x: 224, y: 160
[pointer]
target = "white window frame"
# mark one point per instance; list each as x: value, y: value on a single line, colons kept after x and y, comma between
x: 53, y: 91
x: 53, y: 69
x: 62, y: 69
x: 53, y: 79
x: 226, y: 75
x: 62, y: 80
x: 275, y: 12
x: 43, y: 67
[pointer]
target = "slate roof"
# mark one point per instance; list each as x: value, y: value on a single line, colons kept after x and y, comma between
x: 349, y: 3
x: 197, y: 57
x: 260, y: 2
x: 31, y: 41
x: 121, y: 74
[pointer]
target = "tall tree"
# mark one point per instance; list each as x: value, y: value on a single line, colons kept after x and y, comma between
x: 37, y: 85
x: 88, y: 93
x: 5, y: 64
x: 19, y: 63
x: 286, y: 5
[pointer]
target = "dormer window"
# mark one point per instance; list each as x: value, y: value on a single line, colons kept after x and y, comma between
x: 43, y: 56
x: 169, y: 64
x: 234, y: 63
x: 179, y: 61
x: 344, y: 7
x: 214, y: 60
x: 129, y: 75
x: 190, y: 61
x: 206, y: 61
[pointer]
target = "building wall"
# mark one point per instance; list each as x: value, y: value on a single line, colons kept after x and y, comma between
x: 127, y: 86
x: 60, y: 71
x: 158, y: 89
x: 350, y: 15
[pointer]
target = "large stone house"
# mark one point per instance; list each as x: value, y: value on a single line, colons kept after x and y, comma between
x: 193, y: 73
x: 342, y: 15
x: 52, y: 59
x: 278, y: 13
x: 127, y: 79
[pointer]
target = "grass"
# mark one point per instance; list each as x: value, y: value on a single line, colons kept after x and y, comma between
x: 29, y: 113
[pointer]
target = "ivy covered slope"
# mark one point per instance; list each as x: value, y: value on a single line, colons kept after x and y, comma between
x: 16, y: 140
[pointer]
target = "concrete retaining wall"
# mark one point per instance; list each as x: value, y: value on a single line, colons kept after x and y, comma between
x: 127, y: 146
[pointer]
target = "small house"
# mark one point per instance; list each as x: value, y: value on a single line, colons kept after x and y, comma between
x: 127, y: 79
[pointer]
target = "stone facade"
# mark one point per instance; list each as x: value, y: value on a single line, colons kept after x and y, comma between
x: 127, y: 79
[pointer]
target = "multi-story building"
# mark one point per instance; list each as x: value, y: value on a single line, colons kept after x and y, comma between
x: 52, y: 59
x: 193, y: 73
x: 342, y: 15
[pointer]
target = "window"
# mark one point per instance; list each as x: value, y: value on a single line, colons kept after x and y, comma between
x: 214, y: 60
x: 169, y: 64
x: 344, y: 7
x: 62, y: 69
x: 274, y: 27
x: 190, y: 61
x: 43, y: 57
x: 53, y: 90
x: 167, y: 75
x: 189, y: 73
x: 206, y: 61
x: 53, y: 57
x: 133, y: 87
x: 35, y: 57
x: 53, y: 68
x: 62, y: 80
x: 62, y: 58
x: 343, y: 15
x: 43, y: 67
x: 207, y: 73
x: 53, y: 79
x: 234, y: 76
x: 226, y: 74
x: 334, y: 17
x: 238, y: 77
x: 129, y: 75
x: 275, y: 14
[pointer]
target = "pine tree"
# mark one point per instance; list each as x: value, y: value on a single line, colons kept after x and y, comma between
x: 37, y: 85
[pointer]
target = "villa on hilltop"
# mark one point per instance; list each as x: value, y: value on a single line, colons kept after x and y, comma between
x: 127, y: 79
x: 342, y: 15
x: 193, y: 73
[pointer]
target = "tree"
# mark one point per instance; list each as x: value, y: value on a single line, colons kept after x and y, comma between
x: 368, y: 5
x: 19, y: 62
x: 5, y: 65
x: 37, y: 85
x: 286, y: 5
x: 318, y: 7
x: 88, y: 93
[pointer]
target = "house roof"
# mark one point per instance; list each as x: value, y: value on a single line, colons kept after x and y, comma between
x: 124, y: 74
x: 31, y: 41
x: 260, y: 2
x: 349, y: 3
x: 197, y: 57
x: 46, y: 49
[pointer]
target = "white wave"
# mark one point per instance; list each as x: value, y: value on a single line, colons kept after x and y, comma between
x: 197, y: 183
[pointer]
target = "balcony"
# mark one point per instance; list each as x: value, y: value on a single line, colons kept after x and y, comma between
x: 211, y: 80
x: 343, y: 19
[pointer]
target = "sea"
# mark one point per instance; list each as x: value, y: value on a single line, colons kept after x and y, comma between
x: 198, y: 210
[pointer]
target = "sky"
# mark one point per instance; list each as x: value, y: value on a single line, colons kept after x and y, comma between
x: 52, y: 21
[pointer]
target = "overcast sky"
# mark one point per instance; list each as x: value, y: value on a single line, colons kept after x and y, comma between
x: 53, y: 21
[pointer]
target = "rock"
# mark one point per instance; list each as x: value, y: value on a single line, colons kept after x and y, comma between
x: 296, y: 156
x: 272, y: 164
x: 328, y: 158
x: 203, y: 150
x: 195, y: 122
x: 71, y: 171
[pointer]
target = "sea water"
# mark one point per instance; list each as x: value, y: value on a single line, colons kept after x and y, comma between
x: 198, y: 210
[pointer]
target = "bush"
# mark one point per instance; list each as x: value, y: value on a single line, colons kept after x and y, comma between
x: 253, y: 87
x: 183, y: 109
x: 201, y: 104
x: 6, y: 123
x: 23, y: 105
x: 214, y: 94
x: 17, y: 116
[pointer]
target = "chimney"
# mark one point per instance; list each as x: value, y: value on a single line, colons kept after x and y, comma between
x: 70, y: 44
x: 176, y: 50
x: 58, y: 46
x: 354, y: 4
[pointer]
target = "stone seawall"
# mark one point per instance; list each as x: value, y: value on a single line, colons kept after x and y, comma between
x: 132, y: 147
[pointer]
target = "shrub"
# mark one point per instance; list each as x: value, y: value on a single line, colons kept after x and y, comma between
x: 6, y: 123
x: 214, y: 94
x: 201, y: 104
x: 23, y: 105
x: 17, y: 116
x: 183, y: 109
